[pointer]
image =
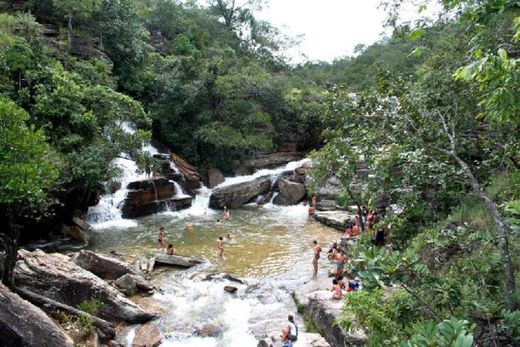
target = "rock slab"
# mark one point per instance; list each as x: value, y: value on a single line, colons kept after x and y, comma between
x: 176, y: 260
x: 56, y: 277
x: 103, y: 266
x: 334, y: 219
x: 23, y: 324
x: 291, y: 193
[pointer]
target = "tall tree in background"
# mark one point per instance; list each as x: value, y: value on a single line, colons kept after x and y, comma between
x: 73, y: 9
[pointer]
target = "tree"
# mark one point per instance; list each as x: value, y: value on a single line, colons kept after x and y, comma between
x: 27, y: 169
x: 74, y: 9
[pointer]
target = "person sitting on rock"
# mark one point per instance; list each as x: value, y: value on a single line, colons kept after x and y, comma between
x: 290, y: 332
x: 170, y: 250
x: 337, y: 293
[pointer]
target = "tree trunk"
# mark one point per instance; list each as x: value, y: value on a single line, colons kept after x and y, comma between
x: 69, y: 32
x: 9, y: 242
x: 503, y: 230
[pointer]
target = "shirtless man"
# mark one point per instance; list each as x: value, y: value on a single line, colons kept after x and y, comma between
x: 220, y: 248
x: 189, y: 226
x: 218, y: 223
x: 160, y: 238
x: 341, y: 259
x: 316, y: 251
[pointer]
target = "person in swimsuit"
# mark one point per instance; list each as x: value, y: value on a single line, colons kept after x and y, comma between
x: 337, y: 294
x: 341, y: 259
x: 220, y: 248
x: 170, y: 250
x: 226, y: 214
x: 316, y: 251
x: 218, y: 223
x: 160, y: 238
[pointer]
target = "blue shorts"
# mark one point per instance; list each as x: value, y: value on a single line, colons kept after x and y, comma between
x: 340, y: 266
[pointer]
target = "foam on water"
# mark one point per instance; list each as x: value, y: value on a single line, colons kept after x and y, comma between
x: 264, y: 172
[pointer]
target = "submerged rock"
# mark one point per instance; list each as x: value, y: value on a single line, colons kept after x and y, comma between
x: 23, y: 324
x: 209, y: 330
x: 230, y: 289
x: 56, y: 277
x: 176, y: 260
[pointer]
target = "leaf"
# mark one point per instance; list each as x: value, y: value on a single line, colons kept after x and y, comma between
x: 416, y: 34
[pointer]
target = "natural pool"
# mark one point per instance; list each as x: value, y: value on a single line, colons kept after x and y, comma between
x: 270, y: 250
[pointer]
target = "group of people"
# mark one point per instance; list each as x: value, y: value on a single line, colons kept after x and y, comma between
x: 367, y: 220
x: 220, y: 242
x: 162, y: 245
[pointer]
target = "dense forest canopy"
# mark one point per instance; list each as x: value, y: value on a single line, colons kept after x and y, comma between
x: 433, y: 112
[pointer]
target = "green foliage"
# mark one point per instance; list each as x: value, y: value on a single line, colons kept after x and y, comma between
x: 383, y: 316
x: 91, y: 306
x: 448, y: 333
x: 27, y: 164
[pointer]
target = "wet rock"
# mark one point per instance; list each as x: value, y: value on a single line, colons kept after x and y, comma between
x: 176, y: 260
x: 215, y: 177
x: 55, y: 277
x: 334, y: 219
x: 129, y: 284
x: 81, y: 223
x: 147, y: 335
x: 271, y: 161
x: 264, y: 199
x: 191, y: 178
x: 222, y: 276
x: 126, y: 285
x: 103, y: 266
x: 230, y: 289
x: 291, y: 193
x: 262, y: 343
x: 74, y: 232
x: 151, y: 196
x: 209, y: 330
x: 23, y: 324
x: 236, y: 195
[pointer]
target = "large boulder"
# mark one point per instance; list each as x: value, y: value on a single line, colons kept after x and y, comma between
x: 236, y: 195
x: 103, y: 266
x: 56, y: 277
x: 215, y: 177
x: 291, y: 193
x: 23, y: 324
x: 150, y: 196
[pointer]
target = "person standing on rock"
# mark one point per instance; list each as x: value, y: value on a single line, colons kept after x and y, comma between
x: 316, y: 250
x: 341, y: 259
x: 220, y: 248
x: 160, y: 238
